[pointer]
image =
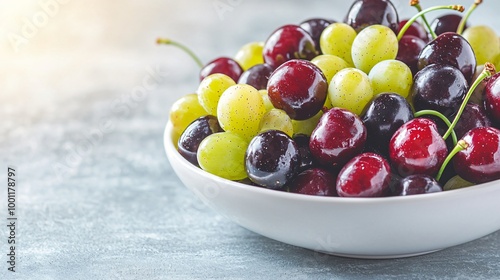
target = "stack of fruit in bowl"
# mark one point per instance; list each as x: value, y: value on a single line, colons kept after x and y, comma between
x: 368, y: 107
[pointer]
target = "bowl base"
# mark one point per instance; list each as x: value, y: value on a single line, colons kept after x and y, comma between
x: 379, y: 257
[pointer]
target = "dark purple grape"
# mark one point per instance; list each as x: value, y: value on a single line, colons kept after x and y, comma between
x: 473, y: 116
x: 368, y: 12
x: 385, y: 114
x: 306, y: 159
x: 256, y: 76
x: 315, y: 27
x: 439, y: 87
x: 446, y: 23
x: 222, y: 65
x: 449, y: 49
x: 417, y: 184
x: 409, y: 51
x: 192, y: 136
x: 272, y: 159
x: 315, y: 181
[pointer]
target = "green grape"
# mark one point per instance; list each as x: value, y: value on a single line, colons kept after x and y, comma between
x: 330, y: 64
x: 250, y: 55
x: 337, y: 40
x: 211, y: 89
x: 240, y: 110
x: 484, y: 42
x: 184, y: 111
x: 306, y: 126
x: 277, y: 119
x: 391, y: 76
x: 223, y: 154
x: 374, y: 44
x: 267, y: 102
x: 350, y: 89
x: 456, y: 183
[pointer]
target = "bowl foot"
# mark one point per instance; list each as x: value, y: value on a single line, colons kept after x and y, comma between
x: 379, y: 257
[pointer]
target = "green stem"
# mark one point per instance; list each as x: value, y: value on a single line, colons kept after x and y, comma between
x: 461, y: 25
x: 442, y: 117
x: 416, y: 4
x: 489, y: 70
x: 165, y: 41
x: 461, y: 145
x: 419, y: 14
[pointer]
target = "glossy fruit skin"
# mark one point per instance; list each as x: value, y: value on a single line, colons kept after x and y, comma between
x: 223, y: 65
x: 409, y: 48
x: 479, y: 162
x: 272, y: 159
x: 415, y: 29
x: 339, y: 136
x: 315, y: 27
x: 450, y: 49
x: 473, y: 116
x: 286, y: 43
x: 417, y: 148
x: 299, y: 88
x: 492, y: 98
x: 306, y: 158
x: 384, y: 115
x: 417, y: 184
x: 439, y: 87
x: 369, y: 12
x: 446, y: 23
x: 366, y: 175
x: 257, y: 76
x: 193, y: 135
x: 314, y: 181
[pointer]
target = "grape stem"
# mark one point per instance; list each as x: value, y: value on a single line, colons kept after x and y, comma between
x: 166, y: 41
x: 459, y: 8
x: 488, y: 71
x: 442, y: 117
x: 416, y: 4
x: 461, y: 25
x: 461, y: 145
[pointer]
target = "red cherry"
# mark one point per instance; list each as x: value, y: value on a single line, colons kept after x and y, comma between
x: 492, y: 98
x: 314, y: 181
x: 222, y: 65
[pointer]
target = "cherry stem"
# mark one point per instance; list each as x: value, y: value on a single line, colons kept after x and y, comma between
x: 488, y: 71
x: 416, y: 4
x: 461, y: 145
x: 461, y: 25
x: 442, y: 117
x: 166, y: 41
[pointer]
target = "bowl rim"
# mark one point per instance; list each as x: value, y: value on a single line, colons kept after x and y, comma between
x: 171, y: 151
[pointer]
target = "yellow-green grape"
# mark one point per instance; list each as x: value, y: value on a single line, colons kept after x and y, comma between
x: 306, y: 126
x: 223, y: 154
x: 330, y: 64
x: 211, y: 89
x: 240, y: 110
x: 350, y: 89
x: 277, y: 119
x: 250, y: 55
x: 456, y: 182
x: 184, y: 111
x: 496, y: 62
x: 372, y: 45
x: 337, y: 39
x: 267, y: 102
x: 484, y: 42
x: 391, y: 76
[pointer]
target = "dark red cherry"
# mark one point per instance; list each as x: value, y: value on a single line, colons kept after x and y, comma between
x: 299, y: 88
x: 272, y: 159
x: 368, y: 12
x: 385, y: 114
x: 417, y: 184
x: 446, y: 23
x: 222, y: 65
x: 366, y: 175
x: 314, y: 181
x: 492, y: 98
x: 417, y: 148
x: 315, y: 27
x: 479, y: 162
x: 192, y: 136
x: 449, y: 49
x: 439, y: 87
x: 409, y: 51
x: 257, y: 76
x: 286, y: 43
x: 415, y: 29
x: 339, y: 136
x: 306, y: 159
x: 473, y: 116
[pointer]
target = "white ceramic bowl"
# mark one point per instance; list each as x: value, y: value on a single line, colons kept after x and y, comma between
x: 387, y: 227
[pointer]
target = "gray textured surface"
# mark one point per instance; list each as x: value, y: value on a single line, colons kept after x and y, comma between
x: 111, y: 207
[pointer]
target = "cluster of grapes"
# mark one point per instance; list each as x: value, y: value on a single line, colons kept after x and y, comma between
x: 359, y: 108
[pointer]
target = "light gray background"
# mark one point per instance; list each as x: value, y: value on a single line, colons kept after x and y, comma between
x: 106, y: 205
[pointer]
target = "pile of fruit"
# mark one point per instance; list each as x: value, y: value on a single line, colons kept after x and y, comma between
x: 368, y: 107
